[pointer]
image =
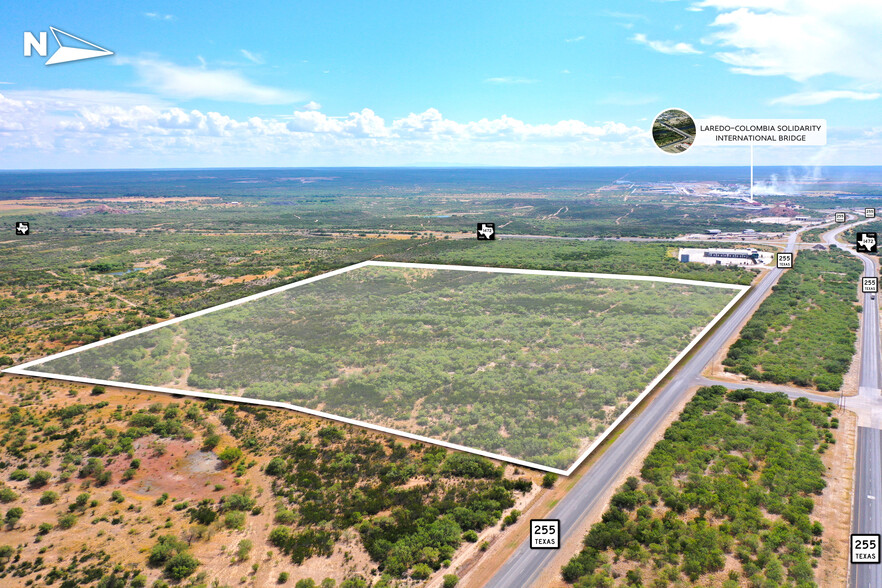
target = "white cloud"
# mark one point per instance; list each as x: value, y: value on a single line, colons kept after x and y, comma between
x: 47, y: 131
x: 76, y: 131
x: 509, y: 80
x: 800, y: 39
x: 312, y: 105
x: 253, y: 57
x: 666, y: 47
x: 575, y: 39
x: 11, y: 113
x: 358, y: 124
x: 180, y: 81
x: 72, y: 99
x: 429, y: 124
x: 823, y: 97
x: 158, y: 16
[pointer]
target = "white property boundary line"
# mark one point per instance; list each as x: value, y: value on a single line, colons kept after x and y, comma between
x: 24, y: 369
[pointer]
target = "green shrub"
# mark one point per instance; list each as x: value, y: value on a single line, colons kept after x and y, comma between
x: 230, y: 455
x: 285, y: 516
x: 211, y: 441
x: 421, y: 571
x: 166, y: 547
x: 93, y: 467
x: 80, y: 501
x: 180, y: 566
x: 511, y: 518
x: 710, y: 461
x: 548, y: 480
x: 331, y: 434
x: 244, y: 549
x: 280, y: 536
x: 468, y: 465
x: 235, y: 519
x: 13, y: 515
x: 66, y: 521
x: 49, y: 497
x: 276, y: 467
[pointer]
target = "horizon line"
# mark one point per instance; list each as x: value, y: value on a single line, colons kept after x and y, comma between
x: 413, y: 167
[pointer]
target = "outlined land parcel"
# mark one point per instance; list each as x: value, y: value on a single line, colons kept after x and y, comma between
x: 530, y: 367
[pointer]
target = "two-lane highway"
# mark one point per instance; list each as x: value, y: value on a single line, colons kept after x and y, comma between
x: 524, y: 567
x: 866, y: 515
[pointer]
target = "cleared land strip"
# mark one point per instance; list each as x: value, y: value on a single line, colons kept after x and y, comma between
x: 532, y: 367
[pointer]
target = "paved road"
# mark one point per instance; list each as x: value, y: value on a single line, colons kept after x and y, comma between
x: 870, y: 360
x: 525, y: 565
x: 866, y: 509
x: 867, y: 498
x: 685, y: 136
x: 790, y: 391
x: 710, y: 238
x: 866, y: 514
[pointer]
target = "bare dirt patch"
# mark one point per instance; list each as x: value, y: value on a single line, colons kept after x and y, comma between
x: 190, y: 276
x: 250, y: 277
x: 833, y: 507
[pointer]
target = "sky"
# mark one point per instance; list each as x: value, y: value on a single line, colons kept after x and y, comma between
x: 514, y: 83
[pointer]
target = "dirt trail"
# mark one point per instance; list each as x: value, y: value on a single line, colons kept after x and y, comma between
x: 118, y: 297
x: 833, y: 507
x: 618, y: 220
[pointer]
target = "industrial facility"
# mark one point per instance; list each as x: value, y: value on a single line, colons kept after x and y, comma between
x: 744, y: 257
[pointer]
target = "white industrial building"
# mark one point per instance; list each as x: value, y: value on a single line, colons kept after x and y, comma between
x: 743, y: 257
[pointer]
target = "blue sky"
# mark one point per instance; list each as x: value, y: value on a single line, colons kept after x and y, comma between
x: 401, y: 83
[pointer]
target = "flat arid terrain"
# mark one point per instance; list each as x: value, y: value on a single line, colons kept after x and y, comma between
x: 148, y: 488
x: 530, y: 366
x: 117, y: 487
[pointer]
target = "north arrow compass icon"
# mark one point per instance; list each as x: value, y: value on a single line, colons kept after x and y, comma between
x: 67, y: 54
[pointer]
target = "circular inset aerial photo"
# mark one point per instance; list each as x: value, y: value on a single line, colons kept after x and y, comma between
x: 673, y: 131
